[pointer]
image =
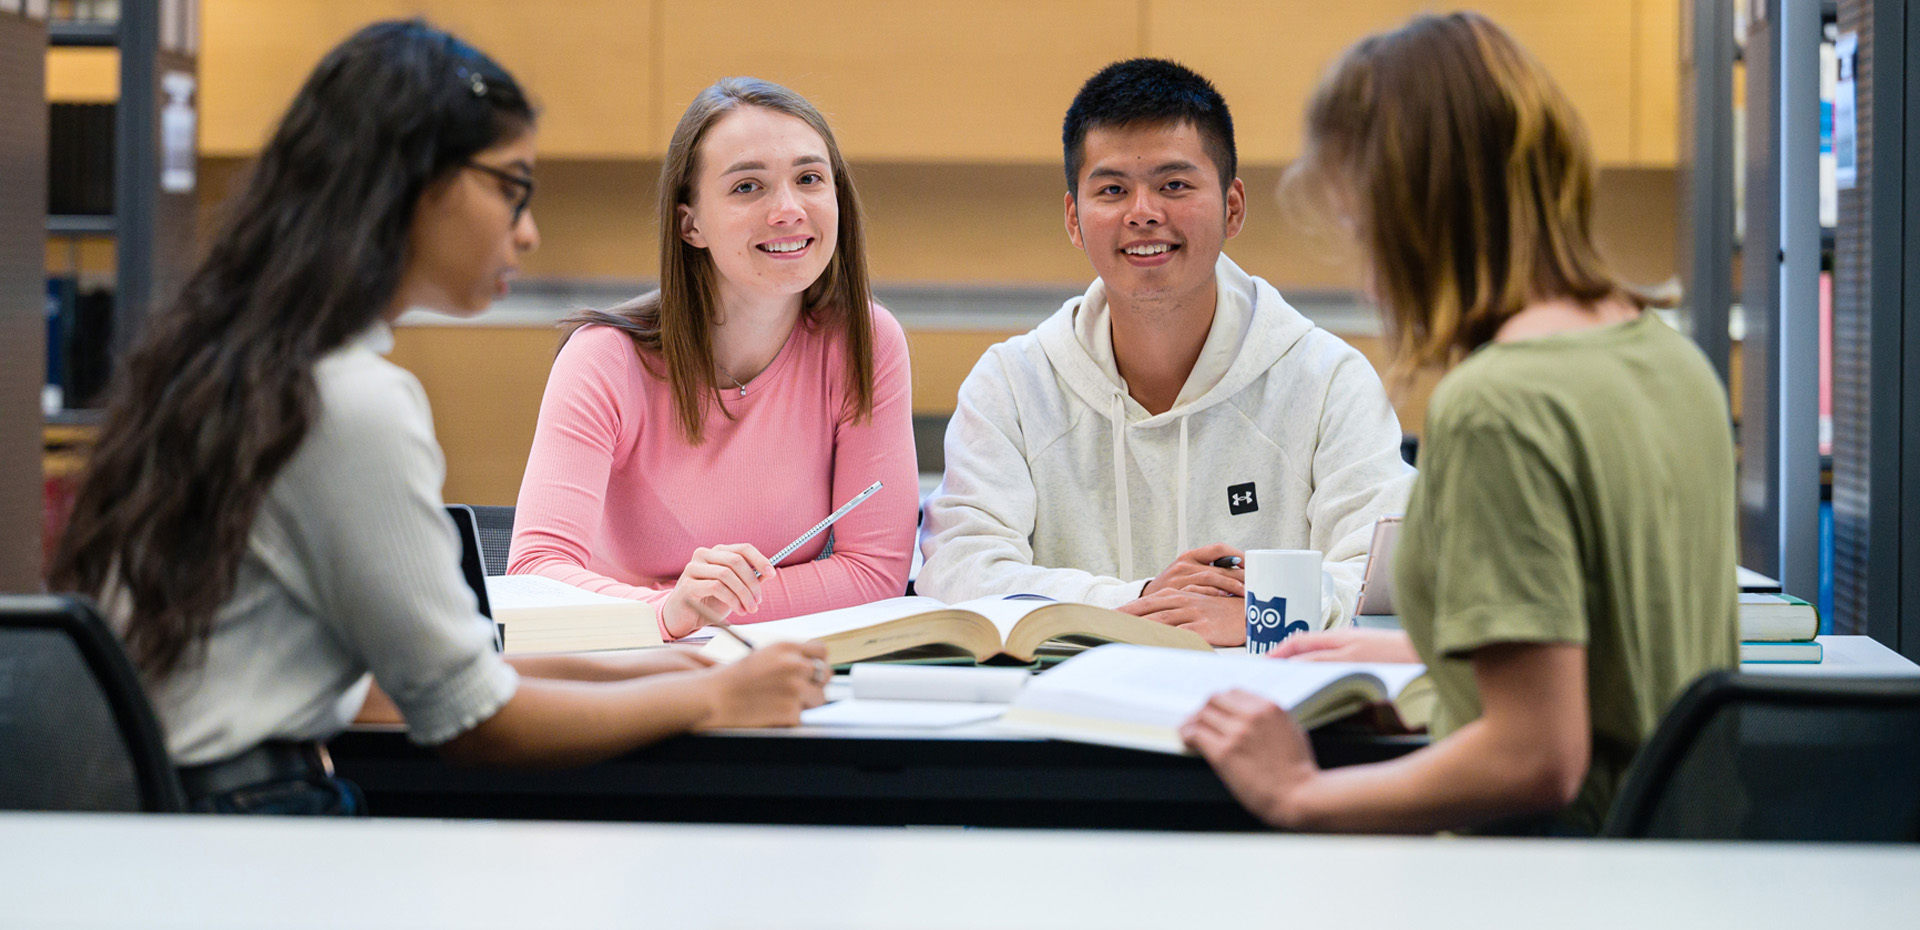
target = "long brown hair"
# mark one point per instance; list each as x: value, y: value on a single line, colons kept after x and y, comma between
x: 672, y: 328
x: 1468, y: 179
x: 219, y: 392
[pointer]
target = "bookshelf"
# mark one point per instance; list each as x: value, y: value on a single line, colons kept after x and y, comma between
x: 145, y: 205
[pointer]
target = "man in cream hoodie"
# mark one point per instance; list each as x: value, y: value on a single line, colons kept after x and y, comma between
x: 1180, y: 411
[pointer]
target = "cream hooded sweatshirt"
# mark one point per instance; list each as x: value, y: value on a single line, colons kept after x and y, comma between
x: 1059, y: 483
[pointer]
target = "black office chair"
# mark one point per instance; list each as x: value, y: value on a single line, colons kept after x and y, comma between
x: 496, y: 536
x: 1762, y: 757
x: 76, y: 731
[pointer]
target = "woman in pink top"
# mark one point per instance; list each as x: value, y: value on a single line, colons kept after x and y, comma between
x: 690, y: 430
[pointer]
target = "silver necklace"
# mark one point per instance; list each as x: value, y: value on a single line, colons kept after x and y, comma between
x: 736, y: 381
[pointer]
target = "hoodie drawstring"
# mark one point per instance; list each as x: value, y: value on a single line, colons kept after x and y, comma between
x: 1180, y: 490
x: 1123, y: 528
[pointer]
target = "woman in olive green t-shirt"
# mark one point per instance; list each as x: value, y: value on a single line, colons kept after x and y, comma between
x: 1566, y: 566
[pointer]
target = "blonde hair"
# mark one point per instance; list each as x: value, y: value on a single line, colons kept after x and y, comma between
x: 1468, y: 179
x: 675, y: 323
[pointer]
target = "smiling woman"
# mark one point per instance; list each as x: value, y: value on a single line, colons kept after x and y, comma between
x: 692, y: 429
x: 262, y: 519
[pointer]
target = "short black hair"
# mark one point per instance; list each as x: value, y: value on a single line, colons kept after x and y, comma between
x: 1149, y: 91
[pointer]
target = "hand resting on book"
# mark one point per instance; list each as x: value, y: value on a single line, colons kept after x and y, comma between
x: 1221, y: 621
x: 1347, y: 645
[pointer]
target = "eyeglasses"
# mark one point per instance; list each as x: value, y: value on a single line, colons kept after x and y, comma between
x: 522, y: 184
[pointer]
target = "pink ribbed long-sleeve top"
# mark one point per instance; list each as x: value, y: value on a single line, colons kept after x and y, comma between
x: 614, y: 500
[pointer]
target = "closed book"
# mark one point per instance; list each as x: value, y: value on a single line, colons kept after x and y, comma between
x: 1777, y: 618
x: 1015, y: 627
x: 537, y: 615
x: 1763, y: 653
x: 1137, y: 697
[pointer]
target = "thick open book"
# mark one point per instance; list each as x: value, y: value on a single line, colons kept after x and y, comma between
x: 1015, y: 627
x: 537, y: 614
x: 1137, y: 698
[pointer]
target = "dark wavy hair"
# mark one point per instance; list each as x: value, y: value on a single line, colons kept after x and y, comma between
x: 672, y: 328
x: 219, y: 391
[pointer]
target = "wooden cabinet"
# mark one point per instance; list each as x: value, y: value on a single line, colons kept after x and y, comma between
x: 980, y: 82
x: 588, y: 63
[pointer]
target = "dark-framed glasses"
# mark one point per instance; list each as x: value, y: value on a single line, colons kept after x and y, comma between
x: 521, y: 184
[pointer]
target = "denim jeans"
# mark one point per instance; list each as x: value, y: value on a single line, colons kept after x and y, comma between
x: 314, y: 795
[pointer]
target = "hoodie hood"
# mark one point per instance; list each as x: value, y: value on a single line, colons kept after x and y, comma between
x: 1252, y: 327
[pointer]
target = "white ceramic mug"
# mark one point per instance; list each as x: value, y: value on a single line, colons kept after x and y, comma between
x: 1283, y: 595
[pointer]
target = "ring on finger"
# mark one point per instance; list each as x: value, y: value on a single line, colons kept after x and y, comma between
x: 821, y: 671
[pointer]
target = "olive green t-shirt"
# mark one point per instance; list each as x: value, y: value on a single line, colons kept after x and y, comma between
x: 1576, y: 488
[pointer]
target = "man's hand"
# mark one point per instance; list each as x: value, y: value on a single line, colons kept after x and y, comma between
x: 1347, y: 645
x: 1257, y: 750
x: 1195, y: 569
x: 1221, y: 621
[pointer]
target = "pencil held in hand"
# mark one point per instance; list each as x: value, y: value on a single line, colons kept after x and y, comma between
x: 831, y: 519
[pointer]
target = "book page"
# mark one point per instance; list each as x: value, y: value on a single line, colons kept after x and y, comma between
x: 814, y: 626
x: 1006, y: 611
x: 515, y: 591
x: 1165, y: 686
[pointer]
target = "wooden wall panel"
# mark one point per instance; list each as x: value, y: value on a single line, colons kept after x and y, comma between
x: 983, y: 81
x: 1264, y: 57
x: 485, y: 384
x: 586, y: 62
x: 1656, y: 82
x: 83, y: 75
x: 1586, y: 47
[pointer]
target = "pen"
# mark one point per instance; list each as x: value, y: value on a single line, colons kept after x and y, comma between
x: 829, y: 521
x: 1226, y: 561
x: 727, y: 628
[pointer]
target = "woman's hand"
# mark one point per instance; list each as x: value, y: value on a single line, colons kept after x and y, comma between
x: 716, y: 582
x: 770, y: 687
x: 1194, y: 570
x: 1347, y: 645
x: 1257, y: 750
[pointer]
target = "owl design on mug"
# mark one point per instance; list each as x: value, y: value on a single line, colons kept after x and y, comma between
x: 1267, y: 623
x: 1266, y: 616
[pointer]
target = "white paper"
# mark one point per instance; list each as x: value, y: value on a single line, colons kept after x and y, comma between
x: 971, y: 684
x: 911, y: 714
x: 1846, y: 155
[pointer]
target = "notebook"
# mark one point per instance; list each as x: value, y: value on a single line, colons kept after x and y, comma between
x: 1376, y: 585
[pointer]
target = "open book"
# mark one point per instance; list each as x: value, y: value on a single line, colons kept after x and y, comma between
x: 1137, y: 698
x: 1012, y: 626
x: 537, y: 614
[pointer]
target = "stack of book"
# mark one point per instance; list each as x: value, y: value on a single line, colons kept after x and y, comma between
x: 1778, y: 628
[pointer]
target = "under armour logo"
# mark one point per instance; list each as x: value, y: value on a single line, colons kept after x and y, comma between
x: 1241, y: 499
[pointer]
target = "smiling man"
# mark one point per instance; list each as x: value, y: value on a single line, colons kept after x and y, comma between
x: 1177, y: 413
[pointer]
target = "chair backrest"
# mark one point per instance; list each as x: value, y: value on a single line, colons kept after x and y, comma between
x: 76, y: 730
x: 1771, y: 757
x: 496, y: 536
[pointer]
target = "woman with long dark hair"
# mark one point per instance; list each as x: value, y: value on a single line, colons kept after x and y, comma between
x: 262, y: 516
x: 693, y: 430
x: 1566, y: 565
